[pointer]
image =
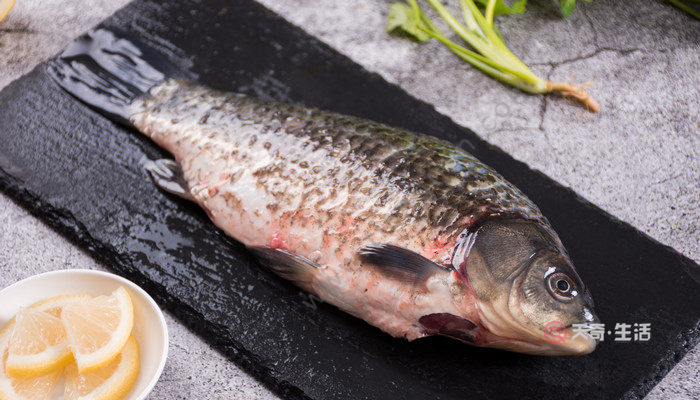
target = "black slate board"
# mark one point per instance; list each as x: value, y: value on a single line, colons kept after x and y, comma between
x: 81, y: 173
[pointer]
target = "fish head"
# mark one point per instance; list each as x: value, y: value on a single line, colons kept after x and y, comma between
x: 529, y: 297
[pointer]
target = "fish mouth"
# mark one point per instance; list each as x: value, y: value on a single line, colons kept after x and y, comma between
x: 578, y: 344
x: 573, y: 344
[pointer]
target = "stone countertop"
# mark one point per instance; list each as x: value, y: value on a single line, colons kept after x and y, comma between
x: 637, y: 158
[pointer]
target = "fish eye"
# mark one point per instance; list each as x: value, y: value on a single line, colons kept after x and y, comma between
x: 561, y: 286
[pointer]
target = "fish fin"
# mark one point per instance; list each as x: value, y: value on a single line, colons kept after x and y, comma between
x: 399, y: 263
x: 108, y: 69
x: 448, y: 325
x: 289, y: 266
x: 167, y: 175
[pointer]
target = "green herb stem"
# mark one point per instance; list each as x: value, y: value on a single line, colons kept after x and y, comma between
x: 488, y: 52
x: 689, y: 10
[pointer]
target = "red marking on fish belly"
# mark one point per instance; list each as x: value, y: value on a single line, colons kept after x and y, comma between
x: 436, y: 246
x: 277, y: 242
x: 439, y: 249
x: 327, y: 239
x: 346, y: 226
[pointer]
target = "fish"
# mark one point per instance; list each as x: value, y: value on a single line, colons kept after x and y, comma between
x: 408, y: 232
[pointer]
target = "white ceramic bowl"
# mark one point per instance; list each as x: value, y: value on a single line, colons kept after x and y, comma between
x: 150, y: 329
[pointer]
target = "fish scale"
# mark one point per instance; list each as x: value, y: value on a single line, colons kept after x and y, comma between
x: 331, y: 165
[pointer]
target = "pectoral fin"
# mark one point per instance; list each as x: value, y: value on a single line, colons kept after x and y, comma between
x: 399, y: 263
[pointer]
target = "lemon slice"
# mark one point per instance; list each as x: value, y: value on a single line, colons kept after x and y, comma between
x: 97, y: 329
x: 112, y: 381
x: 5, y: 7
x: 37, y: 345
x: 29, y: 353
x: 36, y: 388
x: 54, y: 305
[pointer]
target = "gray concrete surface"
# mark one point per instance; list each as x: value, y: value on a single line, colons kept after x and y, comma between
x: 637, y: 159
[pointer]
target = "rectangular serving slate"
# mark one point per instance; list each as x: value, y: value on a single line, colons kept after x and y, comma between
x: 81, y: 173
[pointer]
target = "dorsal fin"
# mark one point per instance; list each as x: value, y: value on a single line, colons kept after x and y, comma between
x: 399, y: 263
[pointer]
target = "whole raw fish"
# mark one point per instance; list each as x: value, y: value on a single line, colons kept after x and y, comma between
x: 402, y: 230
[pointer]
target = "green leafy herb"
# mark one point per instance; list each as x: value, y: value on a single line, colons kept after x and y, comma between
x: 401, y: 21
x: 486, y: 51
x: 502, y: 8
x: 567, y: 6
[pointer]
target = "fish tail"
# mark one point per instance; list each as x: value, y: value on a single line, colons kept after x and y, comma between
x: 108, y: 69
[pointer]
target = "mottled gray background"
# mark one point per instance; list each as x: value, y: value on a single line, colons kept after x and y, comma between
x: 637, y: 158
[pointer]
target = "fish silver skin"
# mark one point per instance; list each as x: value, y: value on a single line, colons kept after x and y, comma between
x: 403, y: 230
